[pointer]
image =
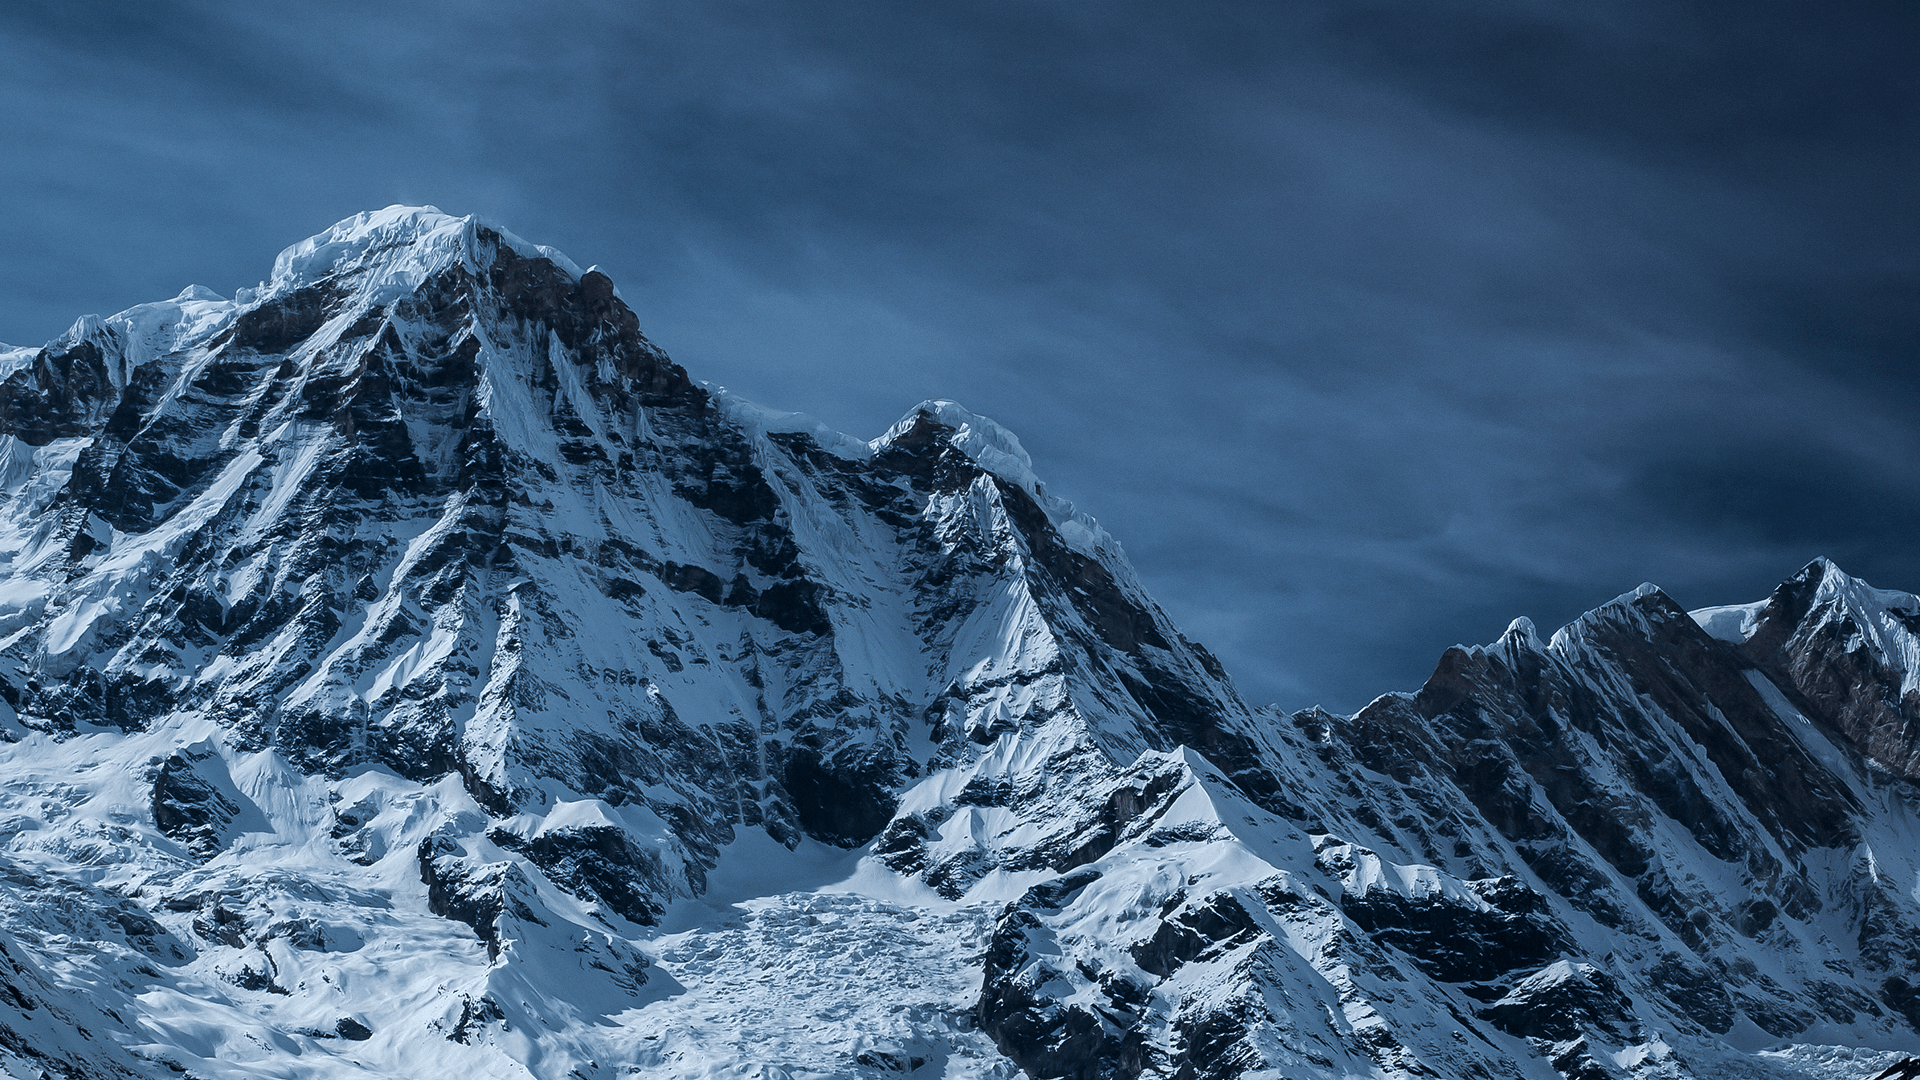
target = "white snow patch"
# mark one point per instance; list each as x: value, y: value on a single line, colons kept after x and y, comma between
x: 1733, y: 623
x: 397, y: 248
x: 760, y: 420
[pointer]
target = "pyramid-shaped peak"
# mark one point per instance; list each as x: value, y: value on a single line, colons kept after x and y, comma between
x: 1823, y: 583
x: 1817, y: 572
x: 1521, y: 631
x: 398, y: 247
x: 1832, y: 585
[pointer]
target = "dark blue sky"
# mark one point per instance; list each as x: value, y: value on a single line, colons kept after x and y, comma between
x: 1364, y: 326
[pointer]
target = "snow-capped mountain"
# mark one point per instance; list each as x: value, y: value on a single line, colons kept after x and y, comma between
x: 409, y: 671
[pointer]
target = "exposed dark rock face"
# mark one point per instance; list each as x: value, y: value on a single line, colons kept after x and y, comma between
x: 191, y: 808
x: 1563, y: 1002
x: 1044, y: 1036
x: 1460, y: 941
x: 845, y: 806
x: 68, y: 389
x: 600, y: 862
x: 1818, y: 638
x: 472, y: 891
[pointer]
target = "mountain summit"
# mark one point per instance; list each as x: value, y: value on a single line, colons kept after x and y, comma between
x: 409, y: 671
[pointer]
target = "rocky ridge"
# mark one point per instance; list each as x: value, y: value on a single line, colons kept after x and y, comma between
x: 409, y: 671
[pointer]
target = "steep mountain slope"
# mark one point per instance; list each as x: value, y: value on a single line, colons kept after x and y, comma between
x: 409, y: 671
x: 1629, y: 850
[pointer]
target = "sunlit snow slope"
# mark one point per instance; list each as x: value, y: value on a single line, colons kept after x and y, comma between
x: 410, y: 672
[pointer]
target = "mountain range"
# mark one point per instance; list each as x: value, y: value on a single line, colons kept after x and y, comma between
x: 409, y: 671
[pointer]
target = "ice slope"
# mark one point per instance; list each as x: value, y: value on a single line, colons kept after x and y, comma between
x: 409, y: 671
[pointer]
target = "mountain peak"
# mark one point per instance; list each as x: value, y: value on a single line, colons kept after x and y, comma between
x: 1823, y: 589
x: 998, y: 451
x: 1521, y: 631
x: 1833, y: 581
x: 991, y: 446
x: 1635, y: 607
x: 397, y: 248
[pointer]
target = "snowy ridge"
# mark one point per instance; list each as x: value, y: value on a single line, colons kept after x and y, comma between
x: 396, y: 250
x: 408, y: 671
x: 763, y: 421
x: 13, y: 358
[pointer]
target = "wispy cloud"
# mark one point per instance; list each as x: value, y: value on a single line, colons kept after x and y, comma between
x: 1366, y: 327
